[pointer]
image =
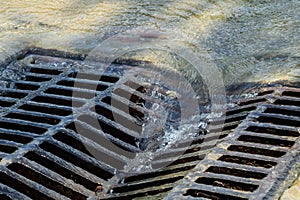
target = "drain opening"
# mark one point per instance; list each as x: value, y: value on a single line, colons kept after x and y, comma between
x: 265, y: 92
x: 287, y: 102
x: 61, y: 170
x: 240, y: 110
x: 7, y: 149
x: 93, y: 77
x: 142, y: 194
x: 99, y: 139
x: 17, y: 95
x: 259, y: 151
x: 32, y: 118
x: 37, y: 79
x: 211, y: 195
x: 105, y: 158
x: 154, y: 174
x: 227, y: 184
x: 23, y: 86
x: 22, y: 127
x: 69, y: 93
x: 291, y: 94
x: 83, y: 85
x: 268, y: 141
x: 283, y: 111
x: 272, y: 131
x: 47, y: 110
x: 259, y: 100
x: 45, y: 181
x: 57, y: 101
x: 109, y: 129
x: 278, y: 121
x: 122, y: 120
x: 124, y: 107
x: 69, y: 157
x: 22, y: 187
x: 247, y: 161
x: 45, y: 71
x: 140, y: 186
x: 6, y: 103
x: 236, y: 172
x: 15, y: 137
x: 4, y: 197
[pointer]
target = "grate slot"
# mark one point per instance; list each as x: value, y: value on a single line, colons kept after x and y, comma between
x: 207, y: 137
x: 278, y: 121
x: 23, y: 86
x: 256, y: 150
x: 236, y: 118
x: 253, y: 101
x: 22, y: 127
x: 7, y: 149
x: 125, y: 121
x: 99, y: 139
x: 124, y: 107
x: 76, y: 144
x: 94, y: 77
x: 57, y: 101
x: 61, y: 170
x: 240, y: 110
x: 45, y: 181
x: 141, y: 194
x: 247, y: 161
x: 272, y: 131
x: 4, y: 197
x: 182, y: 160
x: 129, y: 96
x: 236, y: 172
x: 109, y: 129
x: 283, y: 111
x: 287, y: 102
x: 211, y: 195
x: 17, y: 95
x: 47, y: 110
x: 154, y: 174
x: 32, y: 118
x: 45, y: 71
x: 70, y: 92
x: 268, y: 141
x: 15, y: 137
x: 227, y: 184
x: 291, y: 94
x: 37, y: 78
x: 83, y: 85
x: 265, y: 92
x: 21, y: 187
x: 76, y: 160
x: 6, y: 103
x: 140, y: 186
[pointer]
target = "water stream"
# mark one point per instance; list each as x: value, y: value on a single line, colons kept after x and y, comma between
x: 248, y: 40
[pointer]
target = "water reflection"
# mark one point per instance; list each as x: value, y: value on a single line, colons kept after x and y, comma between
x: 248, y: 40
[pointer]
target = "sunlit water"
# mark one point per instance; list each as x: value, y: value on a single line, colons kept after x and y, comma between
x: 248, y: 40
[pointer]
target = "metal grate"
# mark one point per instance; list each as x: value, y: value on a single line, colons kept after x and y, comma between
x: 45, y: 130
x: 254, y: 160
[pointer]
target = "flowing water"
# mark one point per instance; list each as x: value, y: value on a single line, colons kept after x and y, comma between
x: 248, y: 40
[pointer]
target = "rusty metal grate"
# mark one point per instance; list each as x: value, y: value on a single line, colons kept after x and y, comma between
x: 254, y: 160
x: 44, y: 135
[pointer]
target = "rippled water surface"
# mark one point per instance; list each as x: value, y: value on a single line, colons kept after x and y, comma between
x: 248, y: 40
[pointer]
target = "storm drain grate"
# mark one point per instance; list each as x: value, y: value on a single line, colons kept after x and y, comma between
x: 46, y: 139
x: 254, y: 160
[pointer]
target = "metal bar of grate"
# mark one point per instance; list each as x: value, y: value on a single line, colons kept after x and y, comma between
x: 49, y: 124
